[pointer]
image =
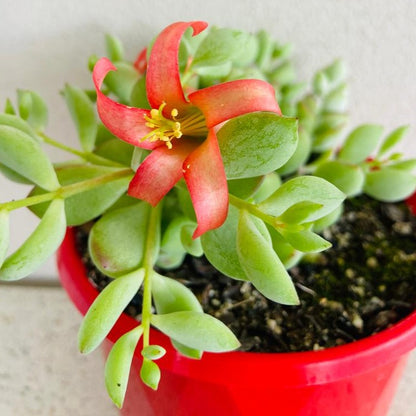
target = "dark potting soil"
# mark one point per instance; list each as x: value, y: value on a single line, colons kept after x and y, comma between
x: 363, y: 284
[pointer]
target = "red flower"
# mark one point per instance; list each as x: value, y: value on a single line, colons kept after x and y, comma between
x: 180, y: 130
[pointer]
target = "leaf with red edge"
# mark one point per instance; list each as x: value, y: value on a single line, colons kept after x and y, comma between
x: 163, y: 80
x: 231, y: 99
x: 205, y: 177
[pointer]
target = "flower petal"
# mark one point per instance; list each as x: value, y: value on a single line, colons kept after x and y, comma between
x: 230, y: 99
x: 163, y: 82
x: 141, y: 63
x: 205, y: 177
x: 127, y: 123
x: 160, y: 171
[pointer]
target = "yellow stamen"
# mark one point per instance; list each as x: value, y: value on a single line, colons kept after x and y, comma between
x: 165, y: 129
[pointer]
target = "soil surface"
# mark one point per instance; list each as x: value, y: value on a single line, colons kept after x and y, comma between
x: 360, y: 286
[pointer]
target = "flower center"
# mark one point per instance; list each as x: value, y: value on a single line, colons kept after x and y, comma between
x: 167, y: 129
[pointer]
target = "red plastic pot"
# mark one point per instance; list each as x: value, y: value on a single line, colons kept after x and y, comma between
x: 357, y: 379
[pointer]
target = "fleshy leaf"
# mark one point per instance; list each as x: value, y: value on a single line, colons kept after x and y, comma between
x: 85, y: 206
x: 346, y: 177
x: 255, y: 144
x: 83, y: 114
x: 220, y: 46
x: 33, y: 109
x: 117, y: 239
x: 114, y: 48
x: 4, y: 234
x: 117, y: 368
x: 196, y: 330
x: 304, y: 188
x: 18, y: 123
x: 408, y: 165
x: 306, y: 241
x: 153, y: 352
x: 220, y: 247
x: 299, y: 212
x: 23, y: 154
x: 389, y: 185
x: 361, y: 143
x: 262, y: 265
x: 171, y: 296
x: 395, y: 137
x: 150, y: 374
x: 191, y: 245
x: 122, y: 81
x: 270, y: 183
x: 244, y: 188
x: 106, y: 309
x: 14, y: 176
x: 117, y: 150
x: 40, y: 245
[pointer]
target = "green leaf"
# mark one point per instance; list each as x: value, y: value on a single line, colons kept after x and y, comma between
x: 171, y: 296
x: 22, y: 154
x: 262, y: 265
x: 220, y: 46
x: 304, y: 188
x: 33, y: 109
x: 408, y: 165
x: 336, y: 71
x: 395, y: 137
x: 306, y: 241
x: 138, y: 96
x: 346, y: 177
x: 361, y: 143
x: 389, y: 184
x: 117, y: 150
x: 286, y: 253
x: 196, y: 330
x: 220, y: 246
x: 266, y: 46
x: 153, y: 352
x: 117, y: 239
x: 172, y: 252
x: 255, y: 144
x: 117, y: 367
x: 13, y: 176
x: 122, y: 81
x: 114, y: 48
x: 186, y: 351
x: 39, y: 246
x: 299, y: 212
x: 328, y: 219
x: 83, y: 114
x: 283, y: 74
x: 337, y: 99
x: 270, y: 183
x: 150, y: 374
x: 106, y: 309
x: 192, y: 245
x: 244, y: 188
x: 8, y: 108
x: 300, y: 156
x: 85, y: 206
x: 4, y: 234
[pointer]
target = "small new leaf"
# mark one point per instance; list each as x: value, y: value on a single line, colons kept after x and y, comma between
x: 394, y: 138
x: 150, y: 374
x: 117, y: 367
x: 306, y: 241
x: 114, y: 48
x: 33, y: 109
x: 153, y: 352
x: 106, y: 309
x: 299, y: 212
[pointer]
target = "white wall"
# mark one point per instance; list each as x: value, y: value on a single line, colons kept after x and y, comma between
x: 44, y: 44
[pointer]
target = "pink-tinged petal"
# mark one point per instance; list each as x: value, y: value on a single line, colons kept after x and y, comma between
x: 231, y: 99
x: 141, y: 62
x: 127, y: 123
x: 205, y: 177
x: 163, y: 82
x: 160, y: 171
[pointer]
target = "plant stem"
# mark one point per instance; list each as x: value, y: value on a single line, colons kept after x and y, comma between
x: 252, y: 209
x: 152, y: 241
x: 67, y: 191
x: 88, y: 156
